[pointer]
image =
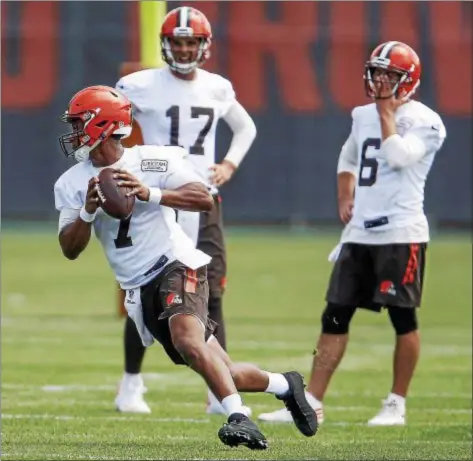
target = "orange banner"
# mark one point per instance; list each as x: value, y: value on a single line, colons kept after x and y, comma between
x: 34, y: 85
x: 311, y: 64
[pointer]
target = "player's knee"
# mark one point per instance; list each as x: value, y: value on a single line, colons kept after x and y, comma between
x: 336, y: 319
x: 191, y: 350
x: 403, y: 319
x: 237, y: 370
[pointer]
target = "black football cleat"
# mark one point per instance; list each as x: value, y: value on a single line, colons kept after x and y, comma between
x: 239, y: 430
x: 302, y: 413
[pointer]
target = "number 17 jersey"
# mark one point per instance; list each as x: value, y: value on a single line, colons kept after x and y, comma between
x: 177, y: 112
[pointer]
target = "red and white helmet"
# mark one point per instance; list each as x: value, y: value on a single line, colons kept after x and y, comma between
x: 186, y: 22
x: 95, y: 113
x: 394, y: 57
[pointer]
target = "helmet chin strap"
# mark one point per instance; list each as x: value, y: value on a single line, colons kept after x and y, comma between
x: 83, y: 152
x: 183, y: 68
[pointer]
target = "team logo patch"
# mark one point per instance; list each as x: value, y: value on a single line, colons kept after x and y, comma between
x: 173, y: 298
x: 403, y: 125
x: 387, y: 287
x: 154, y: 165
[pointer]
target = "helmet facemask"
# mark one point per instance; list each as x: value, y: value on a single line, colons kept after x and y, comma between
x: 77, y: 143
x: 399, y: 79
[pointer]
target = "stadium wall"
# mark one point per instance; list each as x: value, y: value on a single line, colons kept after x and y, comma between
x: 297, y: 66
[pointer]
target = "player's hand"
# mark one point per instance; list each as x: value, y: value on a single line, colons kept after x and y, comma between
x: 92, y: 197
x: 345, y: 210
x: 221, y: 172
x: 139, y: 190
x: 386, y: 103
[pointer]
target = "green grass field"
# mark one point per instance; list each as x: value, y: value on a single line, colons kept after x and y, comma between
x: 62, y: 358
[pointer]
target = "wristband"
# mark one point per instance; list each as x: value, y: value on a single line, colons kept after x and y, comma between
x: 155, y: 195
x: 85, y: 216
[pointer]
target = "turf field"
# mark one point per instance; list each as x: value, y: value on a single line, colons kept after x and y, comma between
x: 62, y: 358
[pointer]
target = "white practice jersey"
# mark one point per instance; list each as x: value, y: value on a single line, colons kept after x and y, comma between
x: 137, y: 249
x: 177, y: 112
x: 389, y: 202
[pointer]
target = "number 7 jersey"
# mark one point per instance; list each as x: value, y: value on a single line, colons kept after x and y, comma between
x: 177, y: 112
x: 137, y: 248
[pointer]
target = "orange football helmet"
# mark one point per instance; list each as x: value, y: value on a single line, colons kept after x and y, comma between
x: 394, y: 57
x: 95, y: 113
x: 185, y: 22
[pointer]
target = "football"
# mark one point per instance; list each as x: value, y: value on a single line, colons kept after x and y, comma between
x: 112, y: 197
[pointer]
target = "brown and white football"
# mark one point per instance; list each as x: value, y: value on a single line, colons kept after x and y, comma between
x: 112, y: 197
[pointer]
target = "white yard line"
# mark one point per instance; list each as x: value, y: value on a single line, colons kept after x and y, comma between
x: 22, y: 403
x: 155, y: 381
x: 105, y: 418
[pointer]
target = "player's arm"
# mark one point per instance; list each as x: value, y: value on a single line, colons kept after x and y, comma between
x: 403, y: 151
x: 193, y: 196
x: 244, y: 133
x: 190, y: 197
x: 398, y: 151
x: 182, y: 188
x: 179, y: 188
x: 347, y: 171
x: 75, y: 224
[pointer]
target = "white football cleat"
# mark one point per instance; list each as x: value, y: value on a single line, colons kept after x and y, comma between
x: 130, y: 396
x: 392, y: 414
x: 284, y: 416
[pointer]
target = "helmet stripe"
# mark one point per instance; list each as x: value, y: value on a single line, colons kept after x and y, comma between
x: 386, y: 50
x: 184, y: 19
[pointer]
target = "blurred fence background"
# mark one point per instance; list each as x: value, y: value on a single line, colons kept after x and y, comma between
x: 296, y: 66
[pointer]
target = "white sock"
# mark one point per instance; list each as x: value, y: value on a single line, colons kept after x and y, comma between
x: 400, y: 401
x: 233, y: 404
x: 277, y: 384
x: 313, y: 402
x: 133, y: 379
x: 212, y: 399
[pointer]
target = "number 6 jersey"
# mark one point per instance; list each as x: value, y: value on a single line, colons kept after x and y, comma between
x: 139, y: 247
x: 164, y: 104
x: 389, y: 199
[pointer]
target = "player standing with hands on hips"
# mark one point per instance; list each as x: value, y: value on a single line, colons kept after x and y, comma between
x: 382, y: 170
x: 180, y: 105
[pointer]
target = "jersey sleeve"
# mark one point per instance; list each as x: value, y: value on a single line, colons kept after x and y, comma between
x: 67, y: 216
x: 348, y: 158
x: 134, y: 88
x: 226, y: 95
x: 356, y: 115
x: 65, y: 195
x: 431, y: 132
